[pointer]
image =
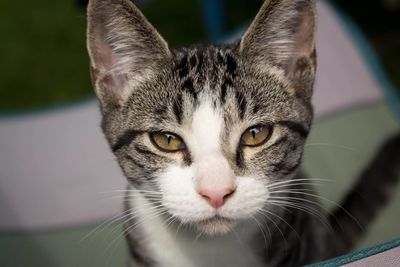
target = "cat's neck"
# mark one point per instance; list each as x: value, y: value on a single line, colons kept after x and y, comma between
x: 178, y: 246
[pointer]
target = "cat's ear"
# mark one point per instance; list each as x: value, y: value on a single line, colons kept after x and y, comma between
x: 124, y: 49
x: 283, y: 35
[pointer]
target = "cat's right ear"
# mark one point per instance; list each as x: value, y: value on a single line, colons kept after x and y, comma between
x: 124, y: 49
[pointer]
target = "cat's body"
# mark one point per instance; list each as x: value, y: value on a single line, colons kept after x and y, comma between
x: 211, y: 139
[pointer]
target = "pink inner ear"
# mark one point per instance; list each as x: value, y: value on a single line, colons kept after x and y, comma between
x: 112, y: 85
x: 104, y: 58
x: 110, y: 82
x: 305, y: 36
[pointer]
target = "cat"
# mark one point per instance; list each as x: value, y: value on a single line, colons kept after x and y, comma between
x: 211, y: 138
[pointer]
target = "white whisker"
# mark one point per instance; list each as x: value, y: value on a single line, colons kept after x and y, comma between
x: 267, y: 243
x: 334, y: 145
x: 335, y: 204
x: 261, y: 211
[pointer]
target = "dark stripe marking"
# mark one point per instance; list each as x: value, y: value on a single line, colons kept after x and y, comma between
x: 193, y: 61
x: 223, y: 93
x: 224, y: 88
x: 283, y: 168
x: 239, y: 159
x: 199, y: 69
x: 278, y: 166
x: 134, y: 161
x: 242, y: 103
x: 231, y: 65
x: 144, y: 151
x: 291, y: 169
x: 135, y: 181
x: 200, y: 59
x: 183, y: 68
x: 160, y: 113
x: 125, y: 139
x: 220, y: 58
x: 187, y: 159
x: 188, y: 87
x: 295, y: 127
x: 258, y: 102
x: 280, y: 141
x: 177, y: 108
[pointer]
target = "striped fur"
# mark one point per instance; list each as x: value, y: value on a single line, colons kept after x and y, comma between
x: 208, y: 96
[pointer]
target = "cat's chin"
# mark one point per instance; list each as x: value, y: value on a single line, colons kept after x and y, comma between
x: 216, y: 226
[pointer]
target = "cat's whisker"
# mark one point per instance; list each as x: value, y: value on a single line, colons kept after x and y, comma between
x: 117, y: 221
x: 336, y: 205
x: 267, y: 243
x: 198, y: 236
x: 155, y: 213
x: 131, y: 191
x: 298, y: 206
x: 311, y: 211
x: 272, y: 185
x: 104, y: 224
x: 294, y: 204
x: 295, y: 182
x: 110, y: 221
x: 298, y: 199
x: 133, y: 215
x: 114, y: 243
x: 132, y: 197
x: 352, y: 149
x: 274, y: 223
x: 238, y: 239
x: 170, y: 221
x: 178, y: 228
x: 283, y: 220
x: 313, y: 184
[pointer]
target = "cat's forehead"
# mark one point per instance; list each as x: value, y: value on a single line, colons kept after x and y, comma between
x: 208, y: 73
x: 206, y: 65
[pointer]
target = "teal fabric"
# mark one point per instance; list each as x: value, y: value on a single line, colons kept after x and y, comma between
x: 355, y: 256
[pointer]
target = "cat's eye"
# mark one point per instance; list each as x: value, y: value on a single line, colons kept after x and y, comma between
x: 167, y: 142
x: 256, y: 135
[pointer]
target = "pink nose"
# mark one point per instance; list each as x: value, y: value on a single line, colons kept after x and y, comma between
x: 216, y: 197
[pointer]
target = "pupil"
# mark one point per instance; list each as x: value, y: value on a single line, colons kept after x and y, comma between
x: 254, y: 132
x: 169, y: 138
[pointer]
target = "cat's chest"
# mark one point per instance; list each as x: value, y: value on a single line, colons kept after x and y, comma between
x: 181, y: 250
x: 176, y: 247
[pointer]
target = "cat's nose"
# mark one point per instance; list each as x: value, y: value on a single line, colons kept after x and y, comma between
x: 216, y: 197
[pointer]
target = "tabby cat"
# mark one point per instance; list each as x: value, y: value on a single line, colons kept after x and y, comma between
x: 210, y: 139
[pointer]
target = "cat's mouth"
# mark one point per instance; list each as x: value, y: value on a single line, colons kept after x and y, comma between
x: 216, y: 225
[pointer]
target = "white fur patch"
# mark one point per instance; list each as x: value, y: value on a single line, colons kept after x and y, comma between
x: 210, y: 169
x: 174, y: 246
x: 179, y: 246
x: 206, y: 127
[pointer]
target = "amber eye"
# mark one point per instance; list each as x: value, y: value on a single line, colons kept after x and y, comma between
x: 167, y: 142
x: 256, y: 135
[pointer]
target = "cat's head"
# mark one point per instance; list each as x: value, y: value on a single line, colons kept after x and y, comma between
x: 206, y: 128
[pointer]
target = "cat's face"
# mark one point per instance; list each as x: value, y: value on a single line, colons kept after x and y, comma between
x: 208, y: 129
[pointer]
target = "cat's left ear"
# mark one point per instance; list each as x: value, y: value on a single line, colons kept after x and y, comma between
x: 125, y: 50
x: 283, y: 36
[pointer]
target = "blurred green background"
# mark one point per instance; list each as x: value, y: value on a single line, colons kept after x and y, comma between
x: 43, y: 52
